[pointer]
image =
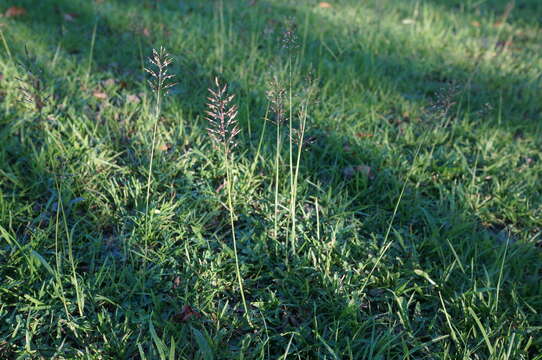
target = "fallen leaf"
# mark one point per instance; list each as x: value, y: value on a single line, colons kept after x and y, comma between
x: 475, y: 23
x: 164, y: 147
x: 325, y: 5
x: 71, y: 17
x: 99, y: 95
x: 504, y: 45
x: 221, y: 186
x: 15, y: 11
x: 408, y: 21
x: 350, y: 171
x: 365, y: 170
x: 362, y: 135
x: 133, y: 99
x: 109, y: 82
x: 186, y: 314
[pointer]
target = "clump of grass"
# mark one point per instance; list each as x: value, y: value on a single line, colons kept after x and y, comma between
x: 160, y: 82
x: 223, y: 128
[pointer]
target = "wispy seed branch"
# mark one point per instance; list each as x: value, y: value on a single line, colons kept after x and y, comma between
x: 222, y: 114
x: 161, y: 80
x: 276, y: 95
x: 30, y: 85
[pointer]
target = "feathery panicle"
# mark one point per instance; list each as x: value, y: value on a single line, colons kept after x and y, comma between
x: 445, y: 99
x: 31, y: 89
x: 31, y: 85
x: 221, y: 115
x: 276, y: 96
x: 161, y: 80
x: 289, y: 38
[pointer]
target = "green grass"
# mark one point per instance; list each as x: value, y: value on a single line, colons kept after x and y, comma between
x: 435, y: 254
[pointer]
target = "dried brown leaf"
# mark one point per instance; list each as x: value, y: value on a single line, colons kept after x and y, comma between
x: 98, y: 94
x: 133, y: 99
x: 365, y: 170
x: 325, y: 5
x: 187, y: 313
x: 71, y: 17
x: 15, y: 11
x: 363, y: 135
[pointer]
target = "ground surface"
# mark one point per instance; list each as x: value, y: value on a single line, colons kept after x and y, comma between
x: 418, y: 209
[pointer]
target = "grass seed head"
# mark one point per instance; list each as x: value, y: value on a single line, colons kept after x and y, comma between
x: 31, y: 84
x: 289, y: 38
x: 276, y: 96
x: 222, y: 117
x: 161, y: 80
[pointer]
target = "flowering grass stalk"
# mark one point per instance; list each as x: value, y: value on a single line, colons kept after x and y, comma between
x: 275, y: 95
x: 160, y: 82
x: 223, y: 128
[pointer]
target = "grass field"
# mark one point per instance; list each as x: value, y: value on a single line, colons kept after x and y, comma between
x: 395, y: 211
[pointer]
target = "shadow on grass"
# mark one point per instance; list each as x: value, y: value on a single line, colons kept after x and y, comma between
x: 517, y: 12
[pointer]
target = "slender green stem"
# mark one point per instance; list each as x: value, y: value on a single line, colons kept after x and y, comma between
x: 58, y: 255
x: 292, y: 205
x: 277, y: 170
x: 91, y: 53
x: 221, y: 34
x: 148, y: 217
x: 6, y: 47
x: 234, y: 238
x: 69, y: 235
x: 296, y: 174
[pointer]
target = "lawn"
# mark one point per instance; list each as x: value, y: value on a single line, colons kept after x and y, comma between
x: 382, y: 199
